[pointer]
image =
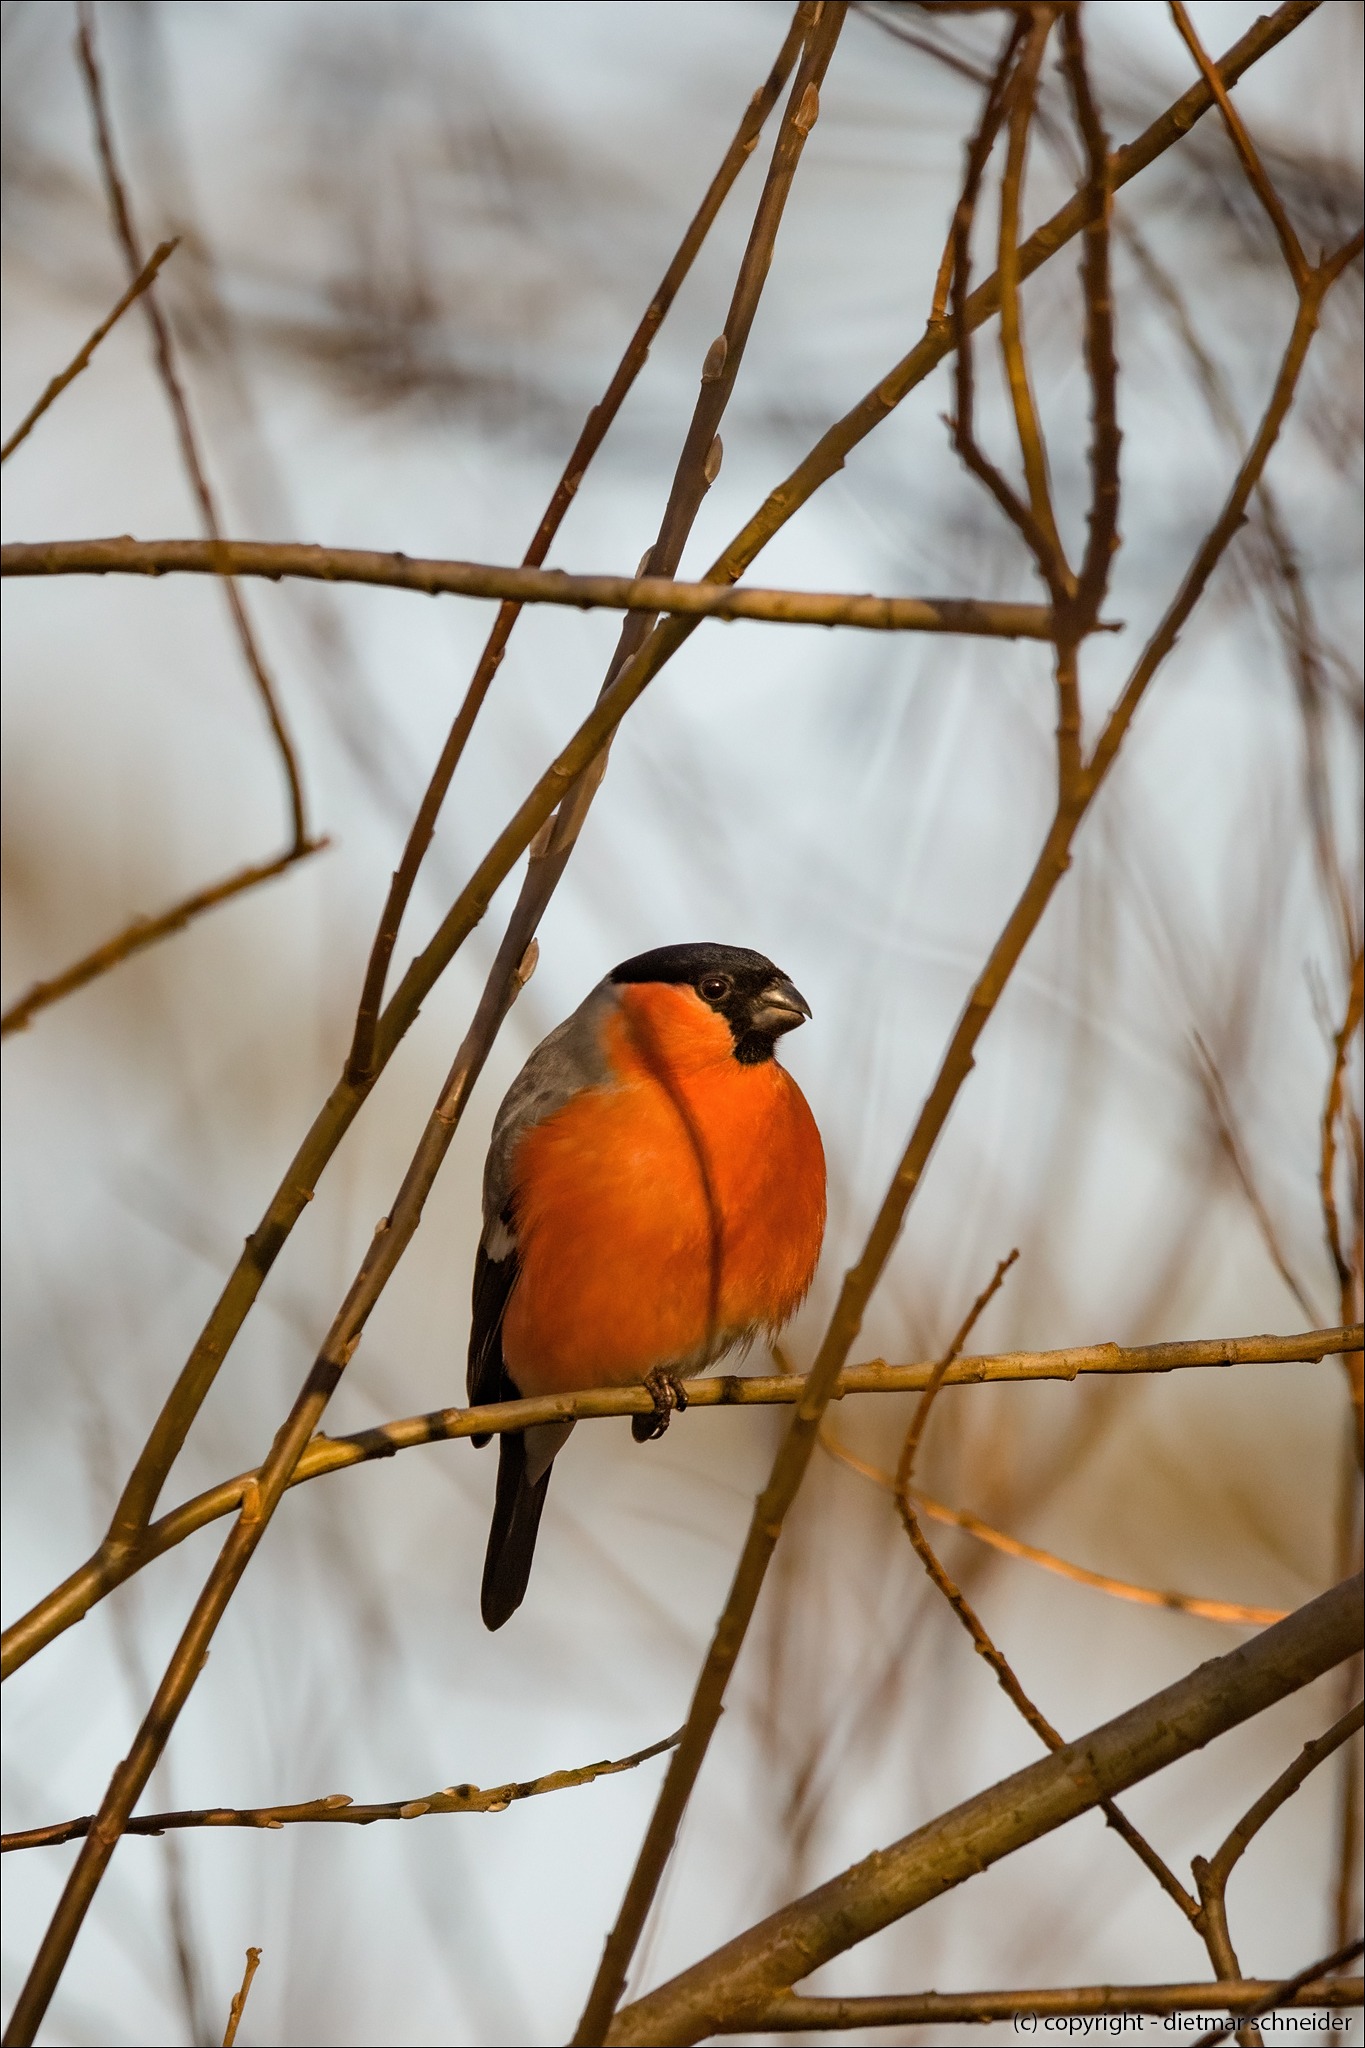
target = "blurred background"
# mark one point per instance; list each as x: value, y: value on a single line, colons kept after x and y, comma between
x: 415, y: 240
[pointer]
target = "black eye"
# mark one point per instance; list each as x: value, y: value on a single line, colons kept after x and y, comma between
x: 715, y: 987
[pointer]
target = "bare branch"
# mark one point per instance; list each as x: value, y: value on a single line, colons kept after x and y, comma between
x: 164, y: 349
x: 60, y: 1609
x: 340, y: 1808
x: 1286, y: 1992
x: 1228, y: 1611
x: 1245, y: 148
x: 82, y: 356
x: 144, y: 932
x: 792, y: 2014
x: 739, y: 1980
x: 648, y: 594
x: 239, y: 1998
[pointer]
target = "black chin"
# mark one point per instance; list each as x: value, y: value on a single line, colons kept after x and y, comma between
x: 752, y: 1048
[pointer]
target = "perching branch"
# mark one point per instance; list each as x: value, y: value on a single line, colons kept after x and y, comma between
x: 73, y: 1599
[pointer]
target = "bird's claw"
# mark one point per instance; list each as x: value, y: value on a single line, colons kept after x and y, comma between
x: 668, y: 1393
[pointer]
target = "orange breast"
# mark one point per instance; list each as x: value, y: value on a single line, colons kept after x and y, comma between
x: 662, y: 1216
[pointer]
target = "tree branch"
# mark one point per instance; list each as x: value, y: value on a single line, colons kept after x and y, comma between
x: 792, y: 2014
x: 728, y: 1988
x: 69, y: 1602
x: 339, y: 1807
x: 144, y: 932
x: 649, y: 594
x: 54, y: 390
x: 164, y: 350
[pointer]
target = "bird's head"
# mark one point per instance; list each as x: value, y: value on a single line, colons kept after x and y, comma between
x: 754, y: 998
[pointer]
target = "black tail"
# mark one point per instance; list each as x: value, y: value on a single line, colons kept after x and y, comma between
x: 512, y: 1538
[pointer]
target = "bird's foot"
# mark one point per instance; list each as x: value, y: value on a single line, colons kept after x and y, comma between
x: 668, y: 1393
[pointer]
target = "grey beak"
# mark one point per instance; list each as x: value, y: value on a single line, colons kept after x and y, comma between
x: 780, y: 1007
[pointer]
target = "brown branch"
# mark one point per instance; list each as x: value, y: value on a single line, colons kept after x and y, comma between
x: 695, y: 470
x: 998, y: 84
x: 360, y: 1062
x: 238, y: 2006
x: 1224, y: 1122
x: 1228, y: 1611
x: 1092, y: 580
x: 337, y: 1114
x: 1009, y: 1683
x: 101, y: 1574
x: 144, y: 932
x: 915, y: 1433
x: 164, y: 349
x: 1246, y: 150
x: 339, y: 1807
x: 1211, y: 1873
x: 649, y: 594
x: 740, y: 1979
x: 1043, y: 536
x: 82, y: 356
x: 1287, y: 1990
x: 792, y: 2014
x: 1024, y: 517
x: 1347, y: 1270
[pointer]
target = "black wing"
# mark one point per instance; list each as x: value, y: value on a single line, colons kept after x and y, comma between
x: 488, y: 1378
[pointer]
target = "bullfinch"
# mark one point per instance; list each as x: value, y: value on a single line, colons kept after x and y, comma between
x: 654, y: 1195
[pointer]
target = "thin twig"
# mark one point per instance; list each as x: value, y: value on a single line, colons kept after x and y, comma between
x: 1010, y: 1685
x: 144, y: 932
x: 164, y: 349
x: 1228, y: 1611
x: 1287, y: 1990
x: 1224, y: 1122
x: 915, y: 1433
x: 238, y: 2007
x: 1092, y: 580
x: 1347, y: 1270
x: 1211, y: 1873
x: 82, y: 356
x: 339, y: 1807
x: 792, y: 2014
x: 1245, y: 148
x: 649, y: 594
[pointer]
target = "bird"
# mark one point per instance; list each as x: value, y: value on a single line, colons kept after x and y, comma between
x: 653, y: 1196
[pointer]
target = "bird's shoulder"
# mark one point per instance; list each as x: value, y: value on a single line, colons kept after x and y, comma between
x: 572, y: 1058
